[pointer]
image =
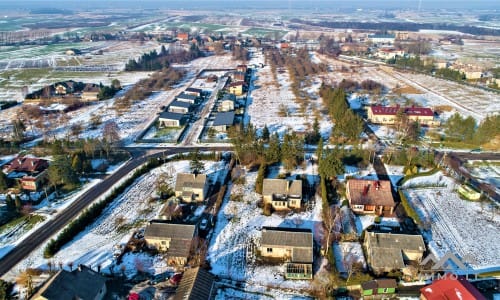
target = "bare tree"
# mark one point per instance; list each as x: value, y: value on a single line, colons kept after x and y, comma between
x: 330, y: 222
x: 111, y: 132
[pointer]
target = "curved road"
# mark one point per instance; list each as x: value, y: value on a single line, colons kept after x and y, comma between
x: 42, y: 234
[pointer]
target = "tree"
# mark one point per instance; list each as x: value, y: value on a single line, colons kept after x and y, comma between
x: 111, y: 132
x: 60, y: 172
x: 273, y: 151
x: 76, y: 130
x: 265, y: 133
x: 5, y: 289
x: 196, y: 165
x: 115, y: 83
x: 331, y: 165
x: 4, y: 184
x: 18, y: 129
x: 261, y: 174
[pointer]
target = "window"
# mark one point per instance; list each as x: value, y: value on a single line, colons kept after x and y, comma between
x: 269, y: 250
x: 163, y: 242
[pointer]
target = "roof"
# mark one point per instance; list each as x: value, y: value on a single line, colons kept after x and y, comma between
x: 451, y: 288
x: 196, y: 284
x: 190, y: 180
x: 194, y: 90
x: 91, y: 88
x: 231, y: 97
x: 379, y: 283
x: 391, y: 258
x: 168, y: 230
x: 370, y: 192
x: 406, y: 242
x: 27, y: 164
x: 183, y: 104
x: 300, y: 240
x: 282, y: 187
x: 224, y: 118
x: 186, y: 96
x: 382, y: 36
x: 237, y: 83
x: 171, y: 116
x: 81, y: 283
x: 393, y: 110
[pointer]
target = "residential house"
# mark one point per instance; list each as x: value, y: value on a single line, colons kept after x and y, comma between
x: 170, y: 119
x: 451, y: 287
x: 227, y: 102
x: 294, y: 246
x: 388, y: 115
x: 193, y: 91
x: 238, y: 76
x: 282, y: 193
x: 182, y: 36
x: 389, y: 53
x: 386, y: 252
x: 382, y: 38
x: 184, y: 97
x: 90, y: 92
x: 236, y: 88
x: 60, y: 89
x: 223, y: 120
x: 191, y: 187
x: 82, y: 283
x: 242, y: 68
x: 180, y: 107
x: 379, y: 287
x: 196, y: 284
x: 173, y: 239
x: 370, y: 196
x: 31, y: 172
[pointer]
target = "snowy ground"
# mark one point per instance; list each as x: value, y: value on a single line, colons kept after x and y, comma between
x: 463, y: 227
x: 239, y: 224
x: 95, y: 246
x: 347, y: 253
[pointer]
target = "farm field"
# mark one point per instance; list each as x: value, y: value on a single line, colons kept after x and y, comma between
x: 465, y: 228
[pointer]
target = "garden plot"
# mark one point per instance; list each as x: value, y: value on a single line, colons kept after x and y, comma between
x: 132, y: 209
x: 347, y: 255
x: 463, y: 227
x: 238, y: 226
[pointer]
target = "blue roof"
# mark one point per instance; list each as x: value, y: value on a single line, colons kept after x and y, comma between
x: 224, y: 118
x: 171, y: 116
x: 186, y: 96
x: 178, y: 103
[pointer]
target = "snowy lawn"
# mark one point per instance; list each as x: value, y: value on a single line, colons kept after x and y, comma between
x: 346, y: 254
x: 463, y: 227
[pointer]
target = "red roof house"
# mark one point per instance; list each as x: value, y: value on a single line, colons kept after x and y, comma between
x: 451, y: 287
x: 370, y: 196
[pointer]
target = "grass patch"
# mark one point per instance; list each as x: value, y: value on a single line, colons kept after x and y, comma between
x: 167, y: 132
x: 407, y: 90
x: 30, y: 221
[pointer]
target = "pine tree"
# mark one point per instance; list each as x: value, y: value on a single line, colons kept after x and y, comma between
x: 196, y: 165
x: 265, y: 133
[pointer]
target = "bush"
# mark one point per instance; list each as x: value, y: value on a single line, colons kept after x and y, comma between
x: 377, y: 220
x: 268, y: 209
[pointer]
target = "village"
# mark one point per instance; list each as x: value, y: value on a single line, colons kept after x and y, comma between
x: 245, y: 167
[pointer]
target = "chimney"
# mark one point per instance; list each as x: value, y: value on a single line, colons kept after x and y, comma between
x: 79, y: 267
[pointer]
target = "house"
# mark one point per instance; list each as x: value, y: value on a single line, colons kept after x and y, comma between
x: 389, y: 53
x: 173, y: 239
x: 182, y: 36
x: 31, y: 172
x: 223, y: 120
x: 468, y: 192
x: 388, y: 115
x: 282, y: 193
x: 191, y: 187
x: 238, y: 76
x: 236, y: 88
x: 60, y: 89
x: 294, y: 246
x: 386, y: 252
x: 170, y: 119
x: 180, y: 107
x: 193, y: 91
x: 82, y: 283
x: 196, y: 284
x: 184, y: 97
x: 370, y: 196
x: 90, y: 92
x: 382, y: 38
x: 451, y: 287
x: 227, y: 102
x: 379, y: 287
x: 242, y: 68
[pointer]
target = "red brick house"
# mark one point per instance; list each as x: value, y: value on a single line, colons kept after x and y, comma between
x: 370, y: 196
x: 29, y: 171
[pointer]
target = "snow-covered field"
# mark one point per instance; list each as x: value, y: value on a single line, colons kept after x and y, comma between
x: 95, y: 245
x: 463, y: 227
x: 346, y: 254
x: 239, y: 224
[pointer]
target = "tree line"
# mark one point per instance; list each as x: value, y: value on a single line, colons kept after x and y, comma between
x: 154, y: 61
x: 461, y: 129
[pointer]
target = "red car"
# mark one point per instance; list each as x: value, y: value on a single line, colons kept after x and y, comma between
x: 175, y: 279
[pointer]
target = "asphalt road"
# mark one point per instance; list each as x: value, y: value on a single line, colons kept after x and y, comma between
x: 38, y: 237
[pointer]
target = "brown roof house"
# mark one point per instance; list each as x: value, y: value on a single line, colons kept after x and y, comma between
x: 386, y: 252
x: 31, y: 172
x: 370, y: 196
x: 196, y: 284
x: 191, y: 187
x: 173, y: 239
x: 282, y: 193
x: 82, y: 283
x: 91, y: 92
x: 294, y: 246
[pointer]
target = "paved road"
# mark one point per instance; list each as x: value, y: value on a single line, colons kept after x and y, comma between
x: 38, y: 237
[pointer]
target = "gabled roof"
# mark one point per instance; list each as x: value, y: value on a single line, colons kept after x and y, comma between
x: 27, y: 164
x: 379, y: 283
x: 393, y: 110
x: 82, y: 283
x: 169, y: 231
x: 186, y: 96
x: 91, y: 88
x: 171, y: 116
x: 182, y: 104
x: 194, y: 90
x: 370, y: 192
x: 451, y: 288
x: 237, y: 83
x: 196, y: 284
x: 300, y: 240
x: 404, y: 242
x: 282, y: 187
x: 190, y: 180
x: 224, y: 118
